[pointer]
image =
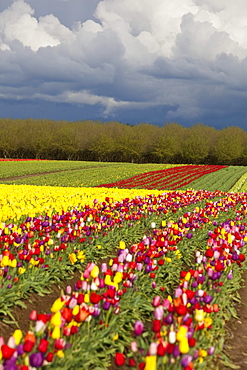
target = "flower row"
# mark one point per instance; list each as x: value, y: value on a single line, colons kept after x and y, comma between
x: 166, y: 179
x: 102, y: 287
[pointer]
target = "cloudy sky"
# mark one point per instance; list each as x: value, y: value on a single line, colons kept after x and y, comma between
x: 133, y: 61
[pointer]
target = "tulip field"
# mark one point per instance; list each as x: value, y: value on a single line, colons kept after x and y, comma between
x: 147, y: 264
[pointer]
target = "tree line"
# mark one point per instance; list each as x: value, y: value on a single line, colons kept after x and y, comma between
x: 117, y: 142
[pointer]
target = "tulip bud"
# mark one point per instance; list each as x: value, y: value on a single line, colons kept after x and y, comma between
x: 39, y: 326
x: 153, y: 349
x: 138, y: 328
x: 172, y: 337
x: 156, y: 301
x: 11, y: 342
x: 159, y: 313
x: 17, y: 336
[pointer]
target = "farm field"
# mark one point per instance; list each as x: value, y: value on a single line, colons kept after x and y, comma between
x: 156, y: 272
x: 90, y: 174
x: 75, y: 173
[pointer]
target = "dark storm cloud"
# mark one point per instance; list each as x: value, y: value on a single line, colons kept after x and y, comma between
x: 125, y: 59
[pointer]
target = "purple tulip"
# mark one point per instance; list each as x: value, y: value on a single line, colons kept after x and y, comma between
x: 186, y: 360
x: 176, y: 351
x: 138, y: 327
x: 207, y: 299
x: 194, y: 284
x: 106, y: 305
x: 96, y: 311
x: 36, y: 359
x: 148, y: 269
x: 169, y: 318
x: 211, y: 351
x: 230, y: 276
x: 20, y: 349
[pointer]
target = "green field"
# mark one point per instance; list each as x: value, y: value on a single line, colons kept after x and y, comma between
x: 87, y: 174
x: 77, y: 174
x: 222, y: 180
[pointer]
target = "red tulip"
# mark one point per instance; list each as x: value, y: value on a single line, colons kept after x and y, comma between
x: 7, y: 352
x: 161, y: 349
x: 132, y: 362
x: 28, y: 346
x: 156, y: 325
x: 43, y: 345
x: 49, y: 357
x: 67, y: 314
x: 119, y: 359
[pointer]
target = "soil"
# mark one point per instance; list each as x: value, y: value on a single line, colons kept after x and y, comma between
x: 236, y: 345
x: 35, y: 302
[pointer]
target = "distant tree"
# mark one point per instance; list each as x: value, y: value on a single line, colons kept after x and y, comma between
x: 230, y: 145
x: 168, y: 147
x: 114, y: 141
x: 198, y: 143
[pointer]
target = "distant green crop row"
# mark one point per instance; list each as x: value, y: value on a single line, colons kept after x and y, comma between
x: 12, y: 168
x: 241, y: 184
x: 223, y: 179
x: 91, y: 175
x: 86, y: 174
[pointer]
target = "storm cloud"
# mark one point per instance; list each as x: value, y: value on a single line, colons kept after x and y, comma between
x: 130, y: 60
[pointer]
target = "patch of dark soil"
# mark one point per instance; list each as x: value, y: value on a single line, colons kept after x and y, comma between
x: 236, y: 344
x: 35, y: 302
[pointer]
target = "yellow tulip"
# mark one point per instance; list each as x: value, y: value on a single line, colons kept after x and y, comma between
x: 122, y: 244
x: 56, y: 333
x: 184, y: 345
x: 181, y: 332
x: 95, y: 271
x: 151, y: 362
x: 76, y: 310
x: 118, y: 277
x: 202, y: 353
x: 57, y: 305
x: 86, y: 298
x: 56, y: 319
x: 21, y: 270
x: 14, y: 263
x: 17, y: 336
x: 199, y: 315
x: 108, y: 280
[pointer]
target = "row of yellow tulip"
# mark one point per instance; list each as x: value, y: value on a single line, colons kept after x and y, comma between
x: 19, y: 200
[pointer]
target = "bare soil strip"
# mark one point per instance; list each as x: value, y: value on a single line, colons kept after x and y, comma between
x: 236, y: 344
x: 35, y: 302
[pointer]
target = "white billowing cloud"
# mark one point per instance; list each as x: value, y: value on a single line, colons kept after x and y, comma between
x: 18, y: 23
x: 135, y: 54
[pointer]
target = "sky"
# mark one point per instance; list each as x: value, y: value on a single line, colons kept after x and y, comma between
x: 131, y: 61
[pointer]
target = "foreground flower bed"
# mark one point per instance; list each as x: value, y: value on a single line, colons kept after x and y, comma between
x: 113, y: 303
x: 60, y: 242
